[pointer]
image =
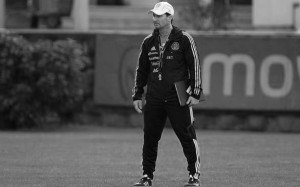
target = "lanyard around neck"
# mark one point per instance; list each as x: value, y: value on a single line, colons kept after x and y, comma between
x: 161, y: 49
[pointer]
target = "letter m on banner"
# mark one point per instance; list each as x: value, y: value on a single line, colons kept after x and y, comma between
x: 228, y: 63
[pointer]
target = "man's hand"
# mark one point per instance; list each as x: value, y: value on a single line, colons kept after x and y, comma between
x: 192, y: 101
x: 138, y: 106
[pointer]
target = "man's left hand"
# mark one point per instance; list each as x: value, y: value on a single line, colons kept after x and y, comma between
x: 192, y: 101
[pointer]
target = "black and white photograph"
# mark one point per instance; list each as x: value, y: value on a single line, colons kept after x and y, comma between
x: 163, y: 93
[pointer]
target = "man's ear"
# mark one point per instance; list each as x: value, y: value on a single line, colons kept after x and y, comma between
x: 170, y: 17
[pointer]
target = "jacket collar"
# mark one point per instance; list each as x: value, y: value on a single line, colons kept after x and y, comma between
x: 175, y: 33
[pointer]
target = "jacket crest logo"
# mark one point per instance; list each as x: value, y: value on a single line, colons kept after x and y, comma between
x: 175, y: 46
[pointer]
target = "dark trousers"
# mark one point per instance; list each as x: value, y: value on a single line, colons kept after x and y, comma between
x: 181, y: 118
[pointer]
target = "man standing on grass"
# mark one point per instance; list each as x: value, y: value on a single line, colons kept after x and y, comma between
x: 168, y: 55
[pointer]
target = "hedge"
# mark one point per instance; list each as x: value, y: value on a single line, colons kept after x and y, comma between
x: 39, y: 80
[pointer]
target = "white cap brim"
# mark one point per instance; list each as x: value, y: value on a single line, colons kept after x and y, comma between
x: 157, y: 12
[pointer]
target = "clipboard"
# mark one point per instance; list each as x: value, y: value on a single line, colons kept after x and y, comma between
x: 183, y: 90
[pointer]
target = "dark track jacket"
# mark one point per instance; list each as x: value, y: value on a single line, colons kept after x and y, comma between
x: 180, y: 62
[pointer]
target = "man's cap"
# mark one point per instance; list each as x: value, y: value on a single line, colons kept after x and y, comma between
x: 162, y: 8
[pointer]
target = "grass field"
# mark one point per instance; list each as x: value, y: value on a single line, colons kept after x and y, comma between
x: 110, y: 157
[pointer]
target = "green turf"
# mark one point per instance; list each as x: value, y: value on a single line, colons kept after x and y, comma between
x: 109, y: 157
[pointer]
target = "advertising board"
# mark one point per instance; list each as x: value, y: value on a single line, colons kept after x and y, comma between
x: 239, y: 72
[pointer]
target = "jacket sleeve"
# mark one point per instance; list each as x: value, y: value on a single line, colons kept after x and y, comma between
x: 141, y: 74
x: 192, y: 59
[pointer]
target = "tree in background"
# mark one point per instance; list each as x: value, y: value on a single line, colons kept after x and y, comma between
x: 39, y: 80
x: 211, y: 14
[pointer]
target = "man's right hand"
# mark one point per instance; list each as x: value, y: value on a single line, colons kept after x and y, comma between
x: 138, y: 106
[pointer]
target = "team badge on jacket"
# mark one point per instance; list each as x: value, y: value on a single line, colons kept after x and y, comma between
x: 175, y: 46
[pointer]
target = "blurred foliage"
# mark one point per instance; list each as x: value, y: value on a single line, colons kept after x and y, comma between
x: 208, y: 15
x: 16, y: 4
x: 39, y: 80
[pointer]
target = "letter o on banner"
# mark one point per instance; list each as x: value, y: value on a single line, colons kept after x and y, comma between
x: 286, y: 87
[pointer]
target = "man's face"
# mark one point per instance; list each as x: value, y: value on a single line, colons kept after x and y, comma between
x: 161, y: 21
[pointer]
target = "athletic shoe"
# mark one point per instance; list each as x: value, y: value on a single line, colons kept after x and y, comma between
x: 193, y: 181
x: 144, y: 181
